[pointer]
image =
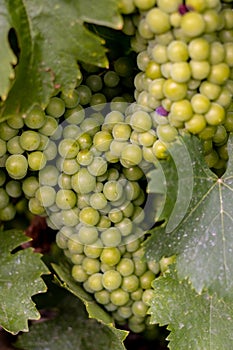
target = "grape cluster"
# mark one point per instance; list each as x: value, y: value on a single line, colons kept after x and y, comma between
x: 82, y: 163
x: 186, y: 72
x: 93, y: 193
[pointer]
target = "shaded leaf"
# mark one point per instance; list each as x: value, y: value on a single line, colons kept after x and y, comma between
x: 195, y: 321
x: 71, y: 330
x: 20, y: 279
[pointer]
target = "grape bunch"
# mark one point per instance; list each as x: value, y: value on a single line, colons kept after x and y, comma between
x: 186, y: 71
x: 93, y: 193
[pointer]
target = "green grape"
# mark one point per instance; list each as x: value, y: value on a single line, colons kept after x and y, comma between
x: 181, y: 72
x: 2, y: 177
x: 131, y: 155
x: 102, y: 140
x: 83, y: 182
x: 110, y: 256
x: 91, y: 266
x: 125, y: 267
x: 173, y: 90
x: 49, y: 127
x: 200, y: 103
x: 50, y: 151
x: 119, y: 297
x: 29, y: 140
x: 16, y: 122
x: 210, y: 90
x: 65, y: 199
x: 126, y: 6
x: 70, y: 99
x: 16, y: 166
x: 46, y: 195
x: 75, y: 115
x: 193, y: 24
x: 111, y: 237
x: 217, y: 52
x: 95, y: 282
x: 70, y: 217
x: 98, y: 166
x: 139, y: 308
x: 98, y: 201
x: 102, y: 297
x: 94, y: 82
x: 130, y: 283
x: 144, y: 4
x: 112, y: 190
x: 215, y: 114
x: 7, y: 132
x: 199, y: 69
x: 36, y: 160
x: 68, y: 148
x: 30, y: 185
x: 71, y: 131
x: 146, y: 279
x: 74, y: 245
x: 76, y: 258
x: 56, y: 107
x: 94, y: 251
x: 49, y: 175
x: 13, y: 146
x: 111, y: 280
x: 207, y: 133
x: 220, y: 137
x: 125, y: 226
x: 8, y: 212
x: 177, y: 51
x: 115, y: 215
x: 84, y: 140
x: 3, y: 147
x: 98, y: 101
x: 167, y: 133
x: 181, y: 111
x: 111, y: 79
x: 35, y: 206
x: 87, y: 234
x: 158, y: 21
x: 89, y: 216
x: 211, y: 159
x: 35, y: 119
x: 13, y: 188
x: 196, y: 124
x: 133, y: 173
x: 4, y: 198
x: 199, y: 49
x: 79, y: 274
x: 219, y: 73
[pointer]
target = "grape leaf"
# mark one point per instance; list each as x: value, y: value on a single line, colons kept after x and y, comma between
x: 195, y: 321
x: 70, y: 329
x: 203, y: 240
x: 94, y: 310
x: 7, y: 56
x: 51, y: 38
x: 20, y: 279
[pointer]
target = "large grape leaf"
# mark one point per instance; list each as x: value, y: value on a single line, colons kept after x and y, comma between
x: 196, y: 321
x: 203, y: 240
x: 70, y: 329
x: 20, y: 279
x: 51, y: 38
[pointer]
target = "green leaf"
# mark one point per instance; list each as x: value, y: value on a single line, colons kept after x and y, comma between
x: 203, y: 241
x: 52, y: 37
x: 70, y: 329
x: 94, y: 310
x: 20, y: 279
x: 7, y: 57
x: 195, y: 321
